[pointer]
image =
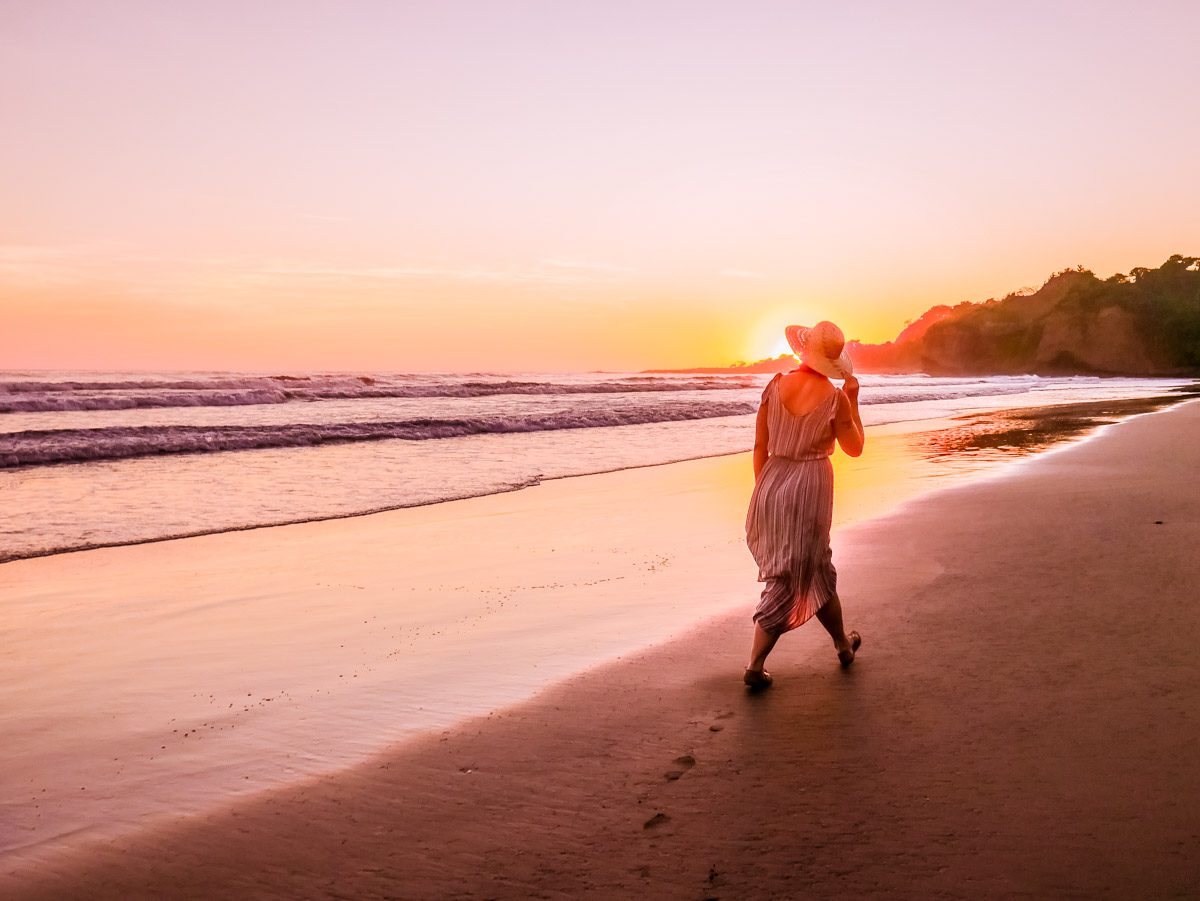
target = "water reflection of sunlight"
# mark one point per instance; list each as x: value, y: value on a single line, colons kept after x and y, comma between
x: 980, y: 439
x: 904, y: 460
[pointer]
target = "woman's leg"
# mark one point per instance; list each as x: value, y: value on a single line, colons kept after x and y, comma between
x: 764, y: 641
x: 830, y: 616
x: 774, y: 607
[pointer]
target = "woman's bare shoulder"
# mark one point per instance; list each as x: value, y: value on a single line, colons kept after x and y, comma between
x: 805, y: 380
x: 775, y: 380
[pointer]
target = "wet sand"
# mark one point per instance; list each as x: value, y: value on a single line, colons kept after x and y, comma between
x: 1031, y: 429
x: 1021, y: 721
x: 165, y: 679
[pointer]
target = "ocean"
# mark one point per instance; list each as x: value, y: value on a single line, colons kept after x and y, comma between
x: 97, y: 459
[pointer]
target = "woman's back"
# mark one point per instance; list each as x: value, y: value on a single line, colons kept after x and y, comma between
x: 801, y: 411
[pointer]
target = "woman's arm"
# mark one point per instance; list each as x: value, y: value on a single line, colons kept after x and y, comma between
x: 848, y: 425
x: 760, y: 440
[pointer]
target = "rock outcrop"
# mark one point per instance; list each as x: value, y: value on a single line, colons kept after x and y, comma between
x: 1146, y: 323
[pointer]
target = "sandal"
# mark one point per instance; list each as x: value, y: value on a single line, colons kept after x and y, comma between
x: 757, y: 678
x: 847, y: 657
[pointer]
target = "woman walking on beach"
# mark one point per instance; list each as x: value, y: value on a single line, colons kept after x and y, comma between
x: 791, y: 509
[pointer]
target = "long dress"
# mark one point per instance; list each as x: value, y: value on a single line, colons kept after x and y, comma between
x: 791, y: 510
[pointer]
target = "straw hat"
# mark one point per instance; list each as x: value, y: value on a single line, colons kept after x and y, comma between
x: 821, y: 347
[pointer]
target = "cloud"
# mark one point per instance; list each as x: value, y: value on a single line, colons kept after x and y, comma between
x: 586, y: 265
x: 135, y: 272
x: 548, y: 272
x: 44, y: 264
x: 741, y: 273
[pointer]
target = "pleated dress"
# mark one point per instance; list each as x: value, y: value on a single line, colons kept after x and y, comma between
x: 791, y: 510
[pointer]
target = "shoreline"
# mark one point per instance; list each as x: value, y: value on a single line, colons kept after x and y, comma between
x: 1081, y: 410
x: 969, y: 751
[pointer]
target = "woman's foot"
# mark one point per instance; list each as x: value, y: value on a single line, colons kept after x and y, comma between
x: 846, y: 656
x: 757, y: 679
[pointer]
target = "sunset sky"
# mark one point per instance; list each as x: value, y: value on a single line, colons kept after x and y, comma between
x: 566, y: 185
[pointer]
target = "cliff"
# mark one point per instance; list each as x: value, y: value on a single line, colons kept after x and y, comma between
x: 1144, y: 323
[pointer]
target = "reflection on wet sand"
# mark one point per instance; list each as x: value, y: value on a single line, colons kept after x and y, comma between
x: 984, y: 437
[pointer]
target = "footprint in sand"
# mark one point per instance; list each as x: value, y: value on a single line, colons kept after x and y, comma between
x: 684, y: 763
x: 656, y: 820
x: 717, y: 727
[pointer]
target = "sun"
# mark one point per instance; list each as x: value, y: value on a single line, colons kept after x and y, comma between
x: 766, y: 339
x: 781, y: 347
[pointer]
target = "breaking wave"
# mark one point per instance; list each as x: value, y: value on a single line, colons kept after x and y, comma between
x: 31, y: 448
x: 61, y: 396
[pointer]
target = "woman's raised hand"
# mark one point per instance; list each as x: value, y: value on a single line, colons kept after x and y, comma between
x: 850, y: 386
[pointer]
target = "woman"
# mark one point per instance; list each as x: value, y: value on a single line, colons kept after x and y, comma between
x: 791, y: 509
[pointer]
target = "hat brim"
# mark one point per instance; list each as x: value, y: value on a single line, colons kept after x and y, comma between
x: 841, y: 368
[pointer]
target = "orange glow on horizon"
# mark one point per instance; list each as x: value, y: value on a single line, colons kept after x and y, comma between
x: 254, y: 321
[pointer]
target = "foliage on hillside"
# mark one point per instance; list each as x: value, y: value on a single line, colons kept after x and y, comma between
x: 1143, y: 323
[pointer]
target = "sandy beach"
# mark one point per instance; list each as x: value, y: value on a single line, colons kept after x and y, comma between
x: 152, y: 681
x: 1021, y: 722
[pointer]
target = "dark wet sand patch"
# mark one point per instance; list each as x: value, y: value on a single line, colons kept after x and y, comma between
x: 1003, y: 433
